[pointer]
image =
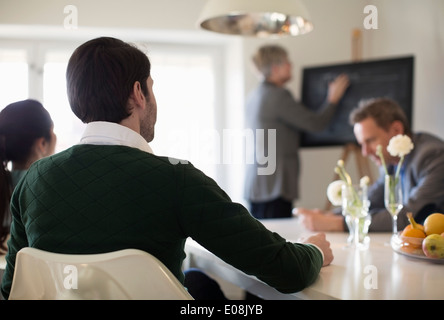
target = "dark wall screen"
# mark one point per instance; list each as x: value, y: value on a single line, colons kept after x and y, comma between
x: 389, y: 78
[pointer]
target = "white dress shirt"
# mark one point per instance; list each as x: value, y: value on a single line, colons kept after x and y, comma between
x: 109, y: 133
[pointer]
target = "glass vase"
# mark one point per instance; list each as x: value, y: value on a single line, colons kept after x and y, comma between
x: 393, y: 198
x: 355, y: 206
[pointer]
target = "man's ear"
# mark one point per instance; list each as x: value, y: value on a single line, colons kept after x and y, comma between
x: 397, y: 128
x: 137, y: 95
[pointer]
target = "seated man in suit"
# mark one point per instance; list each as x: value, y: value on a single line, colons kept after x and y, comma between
x: 375, y: 122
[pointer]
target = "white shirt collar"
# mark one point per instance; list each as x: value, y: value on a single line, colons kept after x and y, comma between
x: 109, y: 133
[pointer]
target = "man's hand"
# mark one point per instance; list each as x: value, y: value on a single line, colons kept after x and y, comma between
x: 321, y: 242
x: 337, y: 87
x: 317, y: 220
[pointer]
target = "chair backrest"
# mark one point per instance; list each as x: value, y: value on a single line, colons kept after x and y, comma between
x: 119, y: 275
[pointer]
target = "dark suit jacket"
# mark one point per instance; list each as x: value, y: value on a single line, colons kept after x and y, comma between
x: 274, y: 108
x: 423, y: 185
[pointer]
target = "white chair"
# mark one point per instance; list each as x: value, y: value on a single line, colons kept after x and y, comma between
x: 120, y: 275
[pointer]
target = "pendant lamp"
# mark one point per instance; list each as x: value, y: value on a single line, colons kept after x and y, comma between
x: 257, y: 18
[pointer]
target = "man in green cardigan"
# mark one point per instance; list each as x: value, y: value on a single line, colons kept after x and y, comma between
x: 110, y: 192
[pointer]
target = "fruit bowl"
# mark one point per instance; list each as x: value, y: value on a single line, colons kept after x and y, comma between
x: 408, y: 245
x: 411, y: 247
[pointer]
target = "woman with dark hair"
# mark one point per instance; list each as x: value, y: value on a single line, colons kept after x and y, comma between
x: 26, y: 135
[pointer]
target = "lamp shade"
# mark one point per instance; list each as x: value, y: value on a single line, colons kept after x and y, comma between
x: 259, y: 18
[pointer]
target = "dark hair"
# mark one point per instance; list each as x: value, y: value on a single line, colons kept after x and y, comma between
x: 383, y: 110
x: 21, y: 123
x: 100, y: 77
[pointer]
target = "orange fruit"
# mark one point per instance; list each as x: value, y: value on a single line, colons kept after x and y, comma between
x: 412, y: 239
x: 412, y: 236
x: 434, y: 223
x: 418, y: 226
x: 413, y: 233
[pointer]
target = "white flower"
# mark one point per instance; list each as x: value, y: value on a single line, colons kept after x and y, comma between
x: 400, y: 145
x: 365, y: 180
x: 334, y: 192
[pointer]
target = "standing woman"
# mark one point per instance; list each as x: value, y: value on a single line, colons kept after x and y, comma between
x: 271, y: 106
x: 26, y: 135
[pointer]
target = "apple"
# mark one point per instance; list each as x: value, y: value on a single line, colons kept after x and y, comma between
x: 433, y: 246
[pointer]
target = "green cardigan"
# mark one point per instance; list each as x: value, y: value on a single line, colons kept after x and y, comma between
x: 94, y: 199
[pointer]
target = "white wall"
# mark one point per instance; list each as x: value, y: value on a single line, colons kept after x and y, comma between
x: 151, y: 14
x: 405, y: 27
x: 417, y: 28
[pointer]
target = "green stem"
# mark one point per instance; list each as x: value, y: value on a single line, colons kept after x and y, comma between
x: 340, y: 174
x: 398, y: 169
x: 381, y: 156
x: 347, y: 176
x: 357, y: 199
x: 392, y: 186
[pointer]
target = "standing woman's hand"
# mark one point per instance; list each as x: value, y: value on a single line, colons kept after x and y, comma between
x: 337, y: 87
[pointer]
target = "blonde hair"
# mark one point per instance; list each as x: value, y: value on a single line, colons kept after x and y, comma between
x: 267, y: 56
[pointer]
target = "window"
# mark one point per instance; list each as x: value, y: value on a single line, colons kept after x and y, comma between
x: 184, y: 86
x: 67, y: 126
x: 196, y: 102
x: 13, y: 76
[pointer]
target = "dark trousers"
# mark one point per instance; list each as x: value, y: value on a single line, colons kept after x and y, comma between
x: 278, y: 208
x: 201, y: 286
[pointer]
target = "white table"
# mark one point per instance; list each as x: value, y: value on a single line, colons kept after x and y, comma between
x: 377, y: 273
x: 2, y: 270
